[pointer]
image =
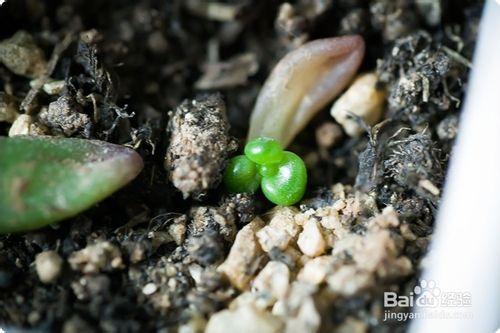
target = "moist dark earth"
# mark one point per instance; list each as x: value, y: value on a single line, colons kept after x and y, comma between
x: 149, y: 257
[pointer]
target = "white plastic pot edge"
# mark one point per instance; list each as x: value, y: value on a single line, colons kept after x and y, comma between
x: 465, y: 250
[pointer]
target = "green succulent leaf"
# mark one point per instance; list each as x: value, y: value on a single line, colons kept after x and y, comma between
x: 47, y: 179
x: 267, y: 170
x: 281, y: 174
x: 241, y: 175
x: 264, y: 151
x: 288, y: 185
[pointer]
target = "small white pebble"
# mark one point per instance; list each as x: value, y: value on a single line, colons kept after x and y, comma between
x: 273, y: 279
x: 100, y: 256
x: 429, y: 186
x: 362, y: 99
x: 21, y: 126
x: 196, y: 273
x: 149, y: 289
x: 280, y: 231
x: 244, y: 255
x: 48, y: 266
x: 172, y: 283
x: 328, y: 134
x: 54, y: 87
x: 116, y: 262
x: 280, y: 308
x: 315, y: 271
x: 244, y: 319
x: 331, y: 221
x: 178, y: 232
x: 311, y: 241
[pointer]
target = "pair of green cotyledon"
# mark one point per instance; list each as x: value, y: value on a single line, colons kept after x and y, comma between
x: 281, y: 174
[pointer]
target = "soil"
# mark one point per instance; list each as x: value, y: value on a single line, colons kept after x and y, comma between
x: 153, y: 257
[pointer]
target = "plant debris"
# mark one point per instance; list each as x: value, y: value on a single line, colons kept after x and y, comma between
x: 65, y: 117
x: 229, y: 74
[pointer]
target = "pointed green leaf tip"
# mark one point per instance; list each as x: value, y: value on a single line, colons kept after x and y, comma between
x: 47, y: 179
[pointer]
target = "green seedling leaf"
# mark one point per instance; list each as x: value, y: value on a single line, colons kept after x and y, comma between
x: 47, y: 179
x: 264, y: 151
x: 281, y: 174
x: 241, y: 175
x: 288, y: 185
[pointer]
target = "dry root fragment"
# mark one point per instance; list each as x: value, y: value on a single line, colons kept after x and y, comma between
x: 199, y: 145
x: 416, y: 72
x: 231, y: 73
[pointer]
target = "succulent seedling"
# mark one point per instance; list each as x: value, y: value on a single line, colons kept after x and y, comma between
x: 302, y: 83
x: 281, y: 174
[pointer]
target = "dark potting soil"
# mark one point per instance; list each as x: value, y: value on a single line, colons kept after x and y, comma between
x: 146, y: 258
